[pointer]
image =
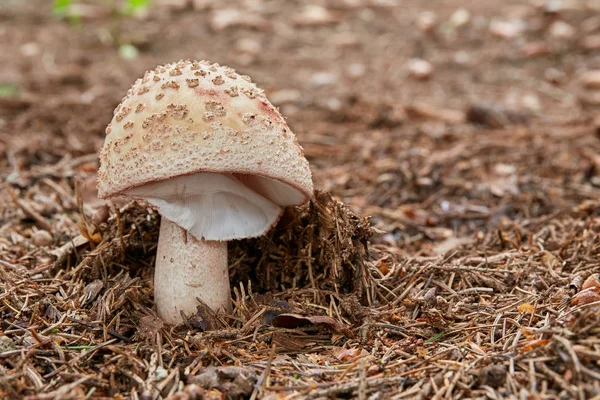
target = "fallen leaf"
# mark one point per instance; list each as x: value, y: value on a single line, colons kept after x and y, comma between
x: 591, y: 282
x: 383, y: 268
x: 534, y: 344
x: 589, y: 295
x: 92, y: 290
x: 286, y: 341
x: 346, y: 355
x: 477, y: 349
x: 293, y: 321
x: 526, y: 308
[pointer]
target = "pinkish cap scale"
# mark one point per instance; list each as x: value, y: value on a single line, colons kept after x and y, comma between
x: 205, y: 146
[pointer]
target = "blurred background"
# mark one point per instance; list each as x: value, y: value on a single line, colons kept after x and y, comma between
x: 468, y: 130
x: 441, y: 119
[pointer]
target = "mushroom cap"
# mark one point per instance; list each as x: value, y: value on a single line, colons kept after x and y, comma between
x: 191, y: 117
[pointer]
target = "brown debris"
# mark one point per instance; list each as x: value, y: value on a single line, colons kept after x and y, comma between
x: 237, y: 382
x: 476, y: 276
x: 493, y: 116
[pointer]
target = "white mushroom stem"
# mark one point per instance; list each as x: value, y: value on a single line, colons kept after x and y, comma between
x: 186, y: 269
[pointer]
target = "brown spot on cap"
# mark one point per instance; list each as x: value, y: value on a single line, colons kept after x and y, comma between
x: 208, y: 116
x: 139, y: 108
x: 192, y: 82
x: 215, y: 107
x: 250, y: 92
x: 128, y: 125
x: 218, y: 80
x: 122, y: 113
x: 177, y: 111
x: 175, y: 72
x: 170, y: 84
x: 206, y: 92
x: 159, y: 96
x: 143, y: 90
x: 232, y: 91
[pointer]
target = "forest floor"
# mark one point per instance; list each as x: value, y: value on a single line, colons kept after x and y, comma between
x: 468, y: 136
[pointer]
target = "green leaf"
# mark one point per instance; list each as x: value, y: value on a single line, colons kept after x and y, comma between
x: 8, y: 90
x: 435, y: 338
x: 60, y: 8
x: 135, y: 6
x: 77, y: 347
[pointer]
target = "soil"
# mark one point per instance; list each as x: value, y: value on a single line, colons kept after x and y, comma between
x: 466, y: 131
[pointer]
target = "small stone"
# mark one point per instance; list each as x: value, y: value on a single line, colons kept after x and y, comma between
x: 591, y: 24
x: 285, y: 96
x: 460, y: 18
x: 531, y: 102
x: 30, y: 49
x: 313, y: 14
x: 420, y: 69
x: 506, y: 29
x: 249, y: 46
x: 356, y: 70
x: 42, y: 238
x: 223, y: 18
x: 323, y: 79
x: 554, y: 76
x: 536, y: 49
x: 562, y: 30
x: 427, y: 21
x: 591, y: 42
x: 591, y: 79
x: 461, y: 57
x: 504, y: 169
x: 333, y: 104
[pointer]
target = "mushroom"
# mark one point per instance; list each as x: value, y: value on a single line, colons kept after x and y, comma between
x: 205, y: 147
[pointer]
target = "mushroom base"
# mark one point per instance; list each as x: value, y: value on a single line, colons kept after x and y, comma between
x: 186, y: 269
